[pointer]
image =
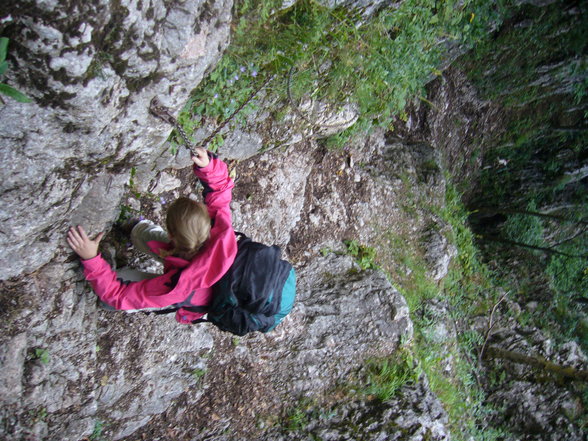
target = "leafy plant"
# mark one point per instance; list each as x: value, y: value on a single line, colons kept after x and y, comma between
x: 5, y: 89
x: 364, y: 256
x: 198, y: 373
x: 386, y: 377
x: 42, y: 355
x: 126, y: 213
x: 297, y: 420
x: 132, y: 177
x: 299, y: 416
x: 39, y: 414
x: 97, y: 432
x: 467, y: 290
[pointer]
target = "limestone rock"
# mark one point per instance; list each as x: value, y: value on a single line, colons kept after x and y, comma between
x: 538, y: 411
x: 166, y: 182
x: 415, y: 414
x: 438, y: 252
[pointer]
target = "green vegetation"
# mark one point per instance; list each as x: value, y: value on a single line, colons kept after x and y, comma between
x: 386, y: 377
x: 198, y: 373
x: 96, y: 434
x: 5, y: 89
x: 532, y: 206
x: 444, y: 347
x: 126, y: 213
x: 469, y: 289
x: 364, y: 256
x: 39, y: 414
x: 380, y: 65
x: 42, y: 355
x: 297, y: 420
x: 298, y: 417
x: 335, y: 56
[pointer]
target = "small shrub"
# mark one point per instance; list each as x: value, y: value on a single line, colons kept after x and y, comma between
x: 386, y: 377
x: 364, y: 256
x: 334, y: 55
x: 42, y: 355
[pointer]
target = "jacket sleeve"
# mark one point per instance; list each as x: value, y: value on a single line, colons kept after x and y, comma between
x: 150, y: 293
x: 217, y: 185
x: 206, y: 268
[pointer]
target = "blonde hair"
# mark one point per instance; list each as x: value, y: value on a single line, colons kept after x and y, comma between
x: 188, y: 224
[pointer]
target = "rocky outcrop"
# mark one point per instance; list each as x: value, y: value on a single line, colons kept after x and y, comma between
x: 91, y: 70
x: 535, y: 403
x: 250, y: 381
x: 414, y: 414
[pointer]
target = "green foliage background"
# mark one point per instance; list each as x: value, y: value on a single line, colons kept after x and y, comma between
x: 337, y: 56
x: 539, y: 78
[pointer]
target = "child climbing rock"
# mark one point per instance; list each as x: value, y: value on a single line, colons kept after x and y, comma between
x: 195, y: 255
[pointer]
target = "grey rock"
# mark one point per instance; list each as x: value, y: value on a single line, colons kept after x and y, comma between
x: 166, y: 182
x: 102, y: 366
x: 367, y: 7
x: 241, y: 145
x: 414, y: 414
x: 261, y: 131
x: 315, y: 348
x: 538, y: 411
x: 438, y: 252
x: 275, y: 185
x: 12, y: 358
x: 331, y: 298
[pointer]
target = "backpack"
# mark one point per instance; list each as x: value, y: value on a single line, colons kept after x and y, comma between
x: 256, y: 293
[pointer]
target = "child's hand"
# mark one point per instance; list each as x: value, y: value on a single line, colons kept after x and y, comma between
x: 200, y: 157
x: 79, y: 241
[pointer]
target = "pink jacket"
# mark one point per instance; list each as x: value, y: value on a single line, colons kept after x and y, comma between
x: 183, y: 282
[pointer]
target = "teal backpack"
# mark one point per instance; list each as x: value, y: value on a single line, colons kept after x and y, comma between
x: 256, y: 293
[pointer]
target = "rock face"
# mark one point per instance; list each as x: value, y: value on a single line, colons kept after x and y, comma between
x: 317, y: 348
x: 416, y: 415
x: 91, y: 70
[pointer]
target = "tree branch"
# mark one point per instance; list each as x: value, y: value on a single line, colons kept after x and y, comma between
x: 569, y: 239
x: 496, y: 210
x: 538, y: 362
x: 490, y: 327
x: 533, y: 247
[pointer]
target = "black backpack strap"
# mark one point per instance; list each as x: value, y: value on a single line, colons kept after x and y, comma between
x: 200, y: 320
x: 161, y: 311
x: 202, y: 309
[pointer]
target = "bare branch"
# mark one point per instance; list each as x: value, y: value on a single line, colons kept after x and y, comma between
x: 538, y: 362
x: 569, y: 239
x: 533, y: 247
x: 490, y: 327
x: 496, y: 210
